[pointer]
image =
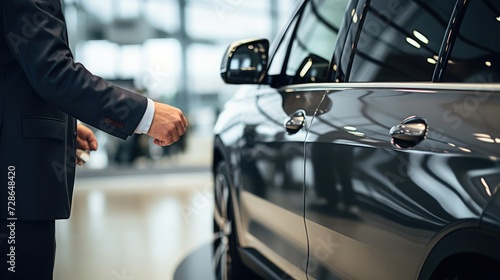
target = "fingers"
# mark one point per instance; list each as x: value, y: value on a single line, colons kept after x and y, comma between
x: 173, y: 135
x: 93, y: 145
x: 184, y: 122
x: 91, y: 141
x: 181, y: 129
x: 86, y: 139
x: 82, y: 144
x: 86, y: 144
x: 168, y: 125
x: 167, y: 141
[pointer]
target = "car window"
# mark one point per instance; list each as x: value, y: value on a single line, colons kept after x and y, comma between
x: 475, y: 57
x: 400, y: 40
x: 313, y: 45
x: 276, y: 64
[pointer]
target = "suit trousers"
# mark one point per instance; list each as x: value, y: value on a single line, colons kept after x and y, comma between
x: 27, y: 250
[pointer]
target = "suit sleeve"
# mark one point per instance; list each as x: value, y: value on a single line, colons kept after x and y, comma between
x: 37, y: 36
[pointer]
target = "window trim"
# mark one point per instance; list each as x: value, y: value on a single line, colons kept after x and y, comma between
x: 278, y: 80
x: 452, y: 32
x: 281, y: 79
x: 352, y: 51
x: 338, y: 75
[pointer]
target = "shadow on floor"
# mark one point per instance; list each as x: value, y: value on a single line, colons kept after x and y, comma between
x: 196, y: 265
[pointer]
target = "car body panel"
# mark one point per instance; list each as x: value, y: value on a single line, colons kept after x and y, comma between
x: 268, y: 174
x: 358, y: 193
x: 377, y: 204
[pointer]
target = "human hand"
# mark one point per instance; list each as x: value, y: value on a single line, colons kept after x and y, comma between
x: 168, y: 124
x: 85, y: 140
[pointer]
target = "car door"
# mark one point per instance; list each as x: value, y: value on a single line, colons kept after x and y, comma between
x: 271, y: 195
x: 376, y: 198
x: 276, y: 119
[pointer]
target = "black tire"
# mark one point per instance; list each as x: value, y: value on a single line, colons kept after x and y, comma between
x: 226, y: 261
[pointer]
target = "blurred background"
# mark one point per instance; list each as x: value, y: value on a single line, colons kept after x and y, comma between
x: 170, y: 51
x: 140, y: 210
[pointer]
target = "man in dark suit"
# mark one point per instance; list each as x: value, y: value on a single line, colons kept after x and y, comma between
x: 42, y: 93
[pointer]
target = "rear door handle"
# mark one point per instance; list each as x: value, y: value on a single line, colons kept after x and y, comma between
x: 295, y: 122
x: 409, y: 132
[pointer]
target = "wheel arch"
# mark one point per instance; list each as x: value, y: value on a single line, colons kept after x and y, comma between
x: 457, y: 243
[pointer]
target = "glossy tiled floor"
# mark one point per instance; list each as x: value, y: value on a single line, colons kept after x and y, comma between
x: 136, y: 227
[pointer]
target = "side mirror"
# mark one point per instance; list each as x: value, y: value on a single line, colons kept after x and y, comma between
x: 245, y: 62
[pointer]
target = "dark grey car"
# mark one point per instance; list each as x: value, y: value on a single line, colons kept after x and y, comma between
x: 365, y: 145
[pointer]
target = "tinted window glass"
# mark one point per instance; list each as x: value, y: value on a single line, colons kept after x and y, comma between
x: 279, y: 56
x: 400, y: 40
x: 312, y: 48
x: 475, y: 57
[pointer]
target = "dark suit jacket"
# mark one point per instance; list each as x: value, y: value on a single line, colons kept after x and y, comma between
x: 42, y: 91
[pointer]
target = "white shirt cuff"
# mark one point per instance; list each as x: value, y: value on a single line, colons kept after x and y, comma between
x: 147, y: 119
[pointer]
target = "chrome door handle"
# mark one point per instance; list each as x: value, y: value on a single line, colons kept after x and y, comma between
x: 295, y: 122
x: 409, y: 132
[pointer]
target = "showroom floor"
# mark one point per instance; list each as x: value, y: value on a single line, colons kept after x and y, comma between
x: 135, y: 227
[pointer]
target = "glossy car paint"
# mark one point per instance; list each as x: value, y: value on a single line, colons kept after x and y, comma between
x: 269, y: 181
x: 374, y: 203
x: 369, y: 201
x: 341, y: 198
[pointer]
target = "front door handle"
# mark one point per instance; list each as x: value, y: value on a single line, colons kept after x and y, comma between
x: 409, y: 132
x: 295, y: 122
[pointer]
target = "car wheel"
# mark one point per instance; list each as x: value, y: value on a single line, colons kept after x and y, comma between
x: 226, y: 261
